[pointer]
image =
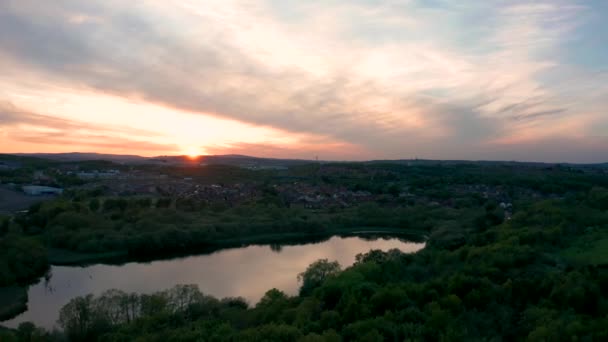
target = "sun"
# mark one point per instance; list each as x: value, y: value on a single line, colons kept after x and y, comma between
x: 193, y: 152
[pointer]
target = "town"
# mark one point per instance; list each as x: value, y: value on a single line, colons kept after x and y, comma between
x: 310, y: 186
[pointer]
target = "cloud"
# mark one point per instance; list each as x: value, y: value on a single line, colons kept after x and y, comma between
x: 393, y: 79
x: 10, y: 115
x: 308, y: 149
x: 26, y: 128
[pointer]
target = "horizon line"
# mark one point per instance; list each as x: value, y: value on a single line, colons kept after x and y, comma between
x: 34, y: 154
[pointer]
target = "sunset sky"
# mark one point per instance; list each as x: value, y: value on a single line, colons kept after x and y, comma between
x: 342, y: 80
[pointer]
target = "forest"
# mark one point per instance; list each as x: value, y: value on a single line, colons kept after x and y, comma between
x: 539, y: 274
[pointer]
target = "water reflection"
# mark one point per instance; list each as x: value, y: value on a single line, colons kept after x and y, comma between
x: 276, y: 248
x: 247, y: 272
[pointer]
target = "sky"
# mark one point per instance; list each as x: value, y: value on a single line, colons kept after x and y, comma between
x: 342, y: 80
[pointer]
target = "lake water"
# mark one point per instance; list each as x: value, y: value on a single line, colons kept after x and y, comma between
x: 246, y: 272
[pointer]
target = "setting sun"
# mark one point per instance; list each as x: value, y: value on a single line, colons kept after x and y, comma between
x: 193, y: 152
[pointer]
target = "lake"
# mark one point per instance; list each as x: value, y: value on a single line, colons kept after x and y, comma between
x: 247, y: 272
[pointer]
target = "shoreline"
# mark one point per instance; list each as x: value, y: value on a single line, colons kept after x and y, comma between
x: 13, y: 302
x: 62, y: 257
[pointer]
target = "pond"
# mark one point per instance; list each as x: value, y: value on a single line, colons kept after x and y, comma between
x: 247, y: 272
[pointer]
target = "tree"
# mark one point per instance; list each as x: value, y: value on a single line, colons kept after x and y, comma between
x: 271, y: 306
x: 75, y: 317
x: 94, y: 205
x: 272, y: 332
x: 163, y: 203
x: 118, y: 307
x: 316, y: 274
x: 4, y: 225
x: 115, y: 204
x: 598, y: 198
x: 25, y: 331
x: 81, y: 320
x: 394, y: 190
x: 180, y: 297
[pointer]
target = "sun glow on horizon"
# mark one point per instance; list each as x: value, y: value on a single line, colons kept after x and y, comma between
x: 193, y: 152
x: 342, y: 80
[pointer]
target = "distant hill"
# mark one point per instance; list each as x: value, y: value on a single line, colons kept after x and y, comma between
x: 228, y: 159
x: 482, y: 163
x: 83, y: 156
x: 235, y: 159
x: 253, y: 162
x: 16, y: 160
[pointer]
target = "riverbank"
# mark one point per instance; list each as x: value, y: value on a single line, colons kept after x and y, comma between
x: 66, y: 257
x: 63, y: 257
x: 13, y: 301
x: 295, y: 237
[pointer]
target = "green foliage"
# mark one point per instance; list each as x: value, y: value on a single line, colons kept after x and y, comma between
x: 4, y: 225
x: 13, y: 300
x: 115, y: 204
x: 22, y: 259
x: 589, y: 248
x: 272, y: 306
x: 27, y: 331
x: 94, y: 205
x: 163, y: 203
x: 80, y: 320
x: 539, y: 276
x: 598, y: 198
x: 316, y: 274
x: 141, y: 227
x: 115, y: 315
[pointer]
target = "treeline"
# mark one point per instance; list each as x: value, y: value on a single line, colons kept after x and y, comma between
x: 143, y: 225
x: 435, y: 176
x: 87, y: 318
